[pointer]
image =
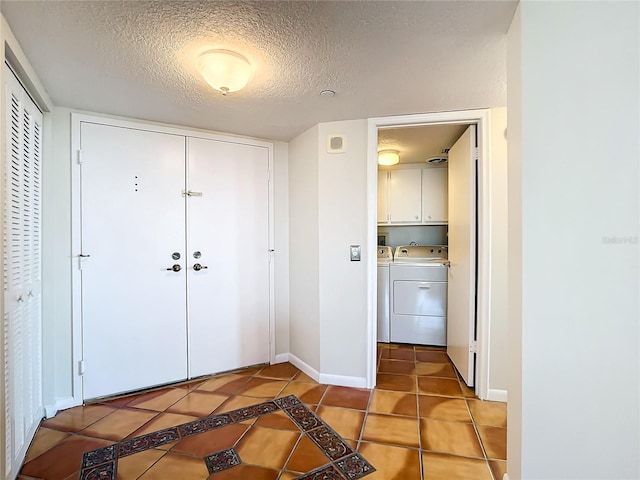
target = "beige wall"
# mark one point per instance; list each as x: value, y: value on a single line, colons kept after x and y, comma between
x: 498, y: 359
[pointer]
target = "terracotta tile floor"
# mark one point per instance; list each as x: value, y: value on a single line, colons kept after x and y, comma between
x: 421, y: 422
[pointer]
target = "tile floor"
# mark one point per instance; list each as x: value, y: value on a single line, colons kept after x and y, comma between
x: 420, y: 422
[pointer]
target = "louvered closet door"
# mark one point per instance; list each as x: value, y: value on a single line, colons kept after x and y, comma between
x: 133, y: 221
x: 228, y: 232
x: 22, y: 278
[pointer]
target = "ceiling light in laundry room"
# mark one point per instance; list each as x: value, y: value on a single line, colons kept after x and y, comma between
x: 224, y: 70
x: 388, y: 157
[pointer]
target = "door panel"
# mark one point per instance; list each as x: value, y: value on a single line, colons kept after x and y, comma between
x: 229, y: 225
x: 133, y: 218
x: 462, y: 254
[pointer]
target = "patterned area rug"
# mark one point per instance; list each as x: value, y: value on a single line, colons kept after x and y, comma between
x: 342, y: 460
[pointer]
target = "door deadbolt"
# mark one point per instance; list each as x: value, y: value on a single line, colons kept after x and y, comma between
x: 175, y: 256
x: 175, y: 268
x: 197, y: 254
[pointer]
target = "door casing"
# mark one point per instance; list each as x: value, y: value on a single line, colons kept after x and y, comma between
x: 481, y: 118
x: 76, y: 240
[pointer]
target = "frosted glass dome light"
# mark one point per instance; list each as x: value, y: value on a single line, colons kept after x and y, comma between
x: 388, y: 157
x: 224, y: 70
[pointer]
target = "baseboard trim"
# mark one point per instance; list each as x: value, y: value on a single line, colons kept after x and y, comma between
x: 343, y: 380
x: 496, y: 395
x: 305, y: 367
x: 60, y: 404
x: 281, y: 358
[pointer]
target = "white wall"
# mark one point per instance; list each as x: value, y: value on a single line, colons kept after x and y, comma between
x: 577, y: 148
x: 56, y: 262
x: 342, y: 222
x: 498, y: 357
x: 514, y: 249
x: 304, y: 307
x: 281, y: 246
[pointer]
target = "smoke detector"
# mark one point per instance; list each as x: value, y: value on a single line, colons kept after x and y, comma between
x: 437, y: 159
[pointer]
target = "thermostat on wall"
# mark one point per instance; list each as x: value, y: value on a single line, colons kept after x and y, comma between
x: 336, y: 144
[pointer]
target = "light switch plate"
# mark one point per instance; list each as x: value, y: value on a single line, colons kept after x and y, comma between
x: 355, y: 253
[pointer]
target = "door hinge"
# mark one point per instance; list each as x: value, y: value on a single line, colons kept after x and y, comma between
x: 79, y: 157
x: 82, y: 257
x: 476, y: 154
x: 271, y: 253
x: 473, y: 347
x: 81, y: 367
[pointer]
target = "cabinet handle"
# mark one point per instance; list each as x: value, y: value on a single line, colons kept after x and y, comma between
x: 425, y: 286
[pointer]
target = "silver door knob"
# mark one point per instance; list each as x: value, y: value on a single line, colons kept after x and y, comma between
x: 197, y: 267
x: 175, y: 268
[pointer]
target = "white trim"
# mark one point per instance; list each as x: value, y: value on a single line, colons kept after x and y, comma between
x: 325, y: 378
x: 76, y: 280
x: 305, y: 367
x: 76, y: 238
x: 497, y: 395
x: 13, y: 54
x: 271, y: 225
x: 50, y: 411
x: 343, y: 381
x: 482, y: 119
x: 280, y: 358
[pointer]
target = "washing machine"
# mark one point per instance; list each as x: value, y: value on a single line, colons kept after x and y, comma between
x: 418, y: 295
x: 385, y: 257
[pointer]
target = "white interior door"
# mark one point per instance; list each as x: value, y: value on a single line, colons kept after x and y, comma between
x: 228, y: 213
x: 461, y: 306
x: 133, y: 219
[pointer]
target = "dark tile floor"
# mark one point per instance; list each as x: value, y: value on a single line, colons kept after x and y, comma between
x: 420, y: 422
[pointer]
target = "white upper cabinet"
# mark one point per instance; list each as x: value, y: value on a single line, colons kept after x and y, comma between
x: 405, y: 196
x: 434, y: 195
x: 383, y: 196
x: 413, y: 195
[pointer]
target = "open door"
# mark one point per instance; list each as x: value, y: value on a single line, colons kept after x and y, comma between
x: 461, y: 308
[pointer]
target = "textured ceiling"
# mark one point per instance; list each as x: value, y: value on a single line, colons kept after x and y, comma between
x: 135, y: 58
x: 417, y: 144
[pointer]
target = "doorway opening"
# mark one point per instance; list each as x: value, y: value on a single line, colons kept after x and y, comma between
x: 478, y: 291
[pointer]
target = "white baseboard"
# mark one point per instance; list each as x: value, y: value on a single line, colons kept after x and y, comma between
x: 343, y: 380
x: 281, y: 358
x: 496, y: 395
x: 327, y: 379
x: 305, y: 367
x: 60, y: 404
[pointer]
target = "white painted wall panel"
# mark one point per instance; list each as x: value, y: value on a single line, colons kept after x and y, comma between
x: 342, y: 222
x: 579, y: 106
x: 304, y: 319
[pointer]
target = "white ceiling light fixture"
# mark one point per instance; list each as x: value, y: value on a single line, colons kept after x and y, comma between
x: 224, y: 70
x: 388, y: 157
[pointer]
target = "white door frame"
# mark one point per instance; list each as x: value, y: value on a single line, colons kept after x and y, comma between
x: 482, y: 119
x: 76, y: 238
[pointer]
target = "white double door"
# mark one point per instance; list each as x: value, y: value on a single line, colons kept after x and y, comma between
x: 175, y: 257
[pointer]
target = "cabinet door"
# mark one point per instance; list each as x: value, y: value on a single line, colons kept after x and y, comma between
x: 405, y: 198
x: 434, y: 195
x: 383, y: 197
